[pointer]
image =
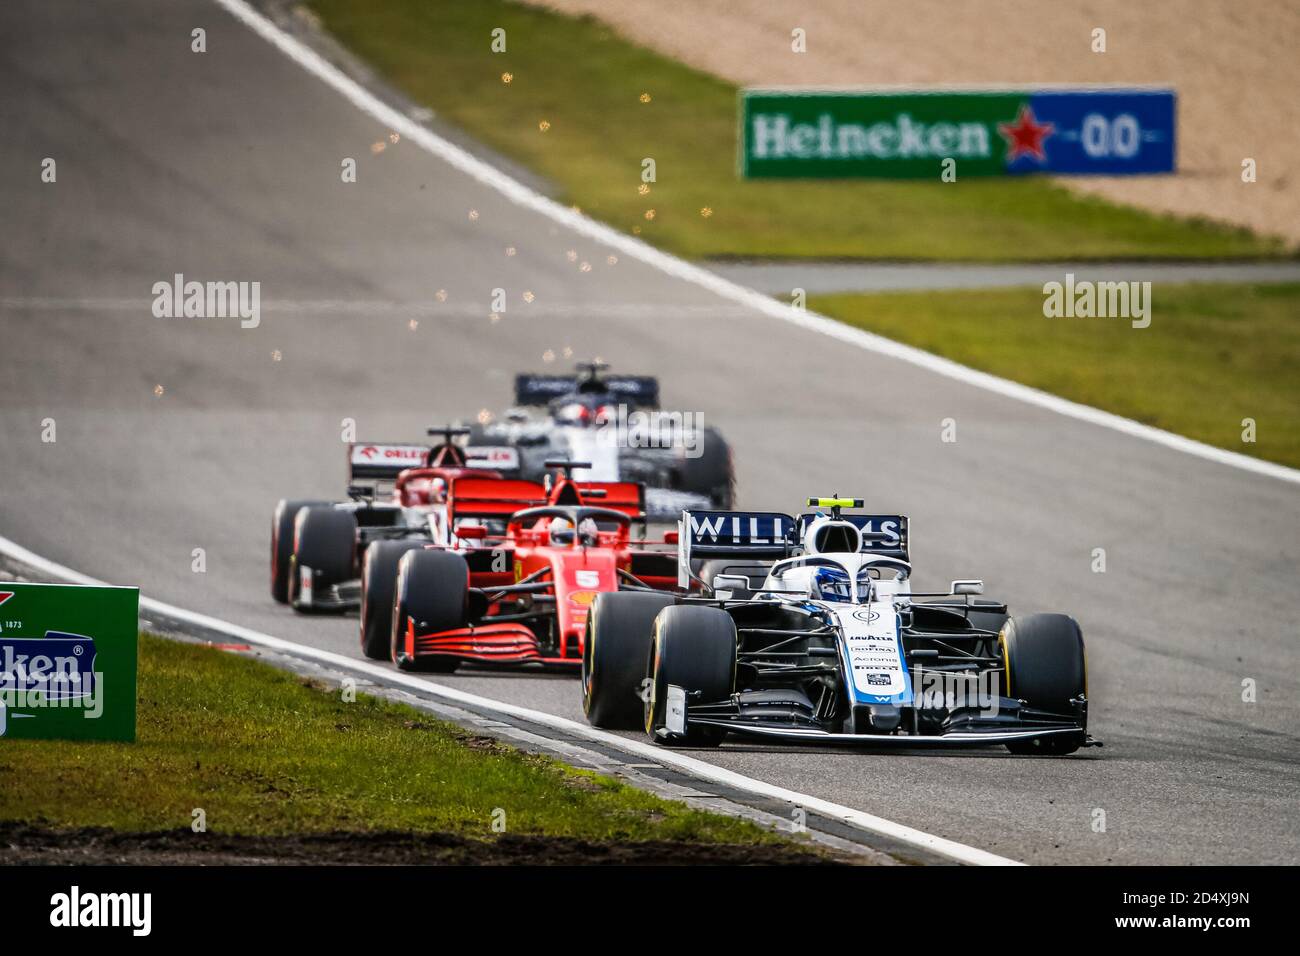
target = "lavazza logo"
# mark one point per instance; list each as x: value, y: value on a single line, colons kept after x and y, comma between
x: 180, y: 299
x: 76, y: 909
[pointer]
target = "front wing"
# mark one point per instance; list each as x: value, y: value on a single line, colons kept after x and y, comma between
x: 983, y: 738
x: 962, y: 727
x: 488, y: 644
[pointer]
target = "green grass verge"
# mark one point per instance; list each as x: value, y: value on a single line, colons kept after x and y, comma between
x: 263, y: 753
x: 586, y: 82
x: 1213, y: 354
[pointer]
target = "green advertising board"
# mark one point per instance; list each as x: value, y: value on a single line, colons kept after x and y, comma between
x: 68, y: 661
x: 912, y: 134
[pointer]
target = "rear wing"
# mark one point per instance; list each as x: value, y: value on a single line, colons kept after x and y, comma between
x: 885, y: 535
x: 539, y: 389
x: 383, y: 461
x: 757, y: 535
x: 472, y: 497
x: 625, y: 496
x: 496, y: 457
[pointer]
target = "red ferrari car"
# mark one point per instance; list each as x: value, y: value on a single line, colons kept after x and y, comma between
x: 317, y: 547
x: 526, y: 561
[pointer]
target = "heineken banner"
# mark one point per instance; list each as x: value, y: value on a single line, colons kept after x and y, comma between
x: 894, y: 134
x: 67, y: 661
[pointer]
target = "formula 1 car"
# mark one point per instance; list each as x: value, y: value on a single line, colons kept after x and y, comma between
x: 518, y: 597
x: 808, y: 630
x: 316, y: 546
x: 615, y: 423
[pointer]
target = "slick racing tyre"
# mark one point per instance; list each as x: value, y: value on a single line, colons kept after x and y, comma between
x: 693, y: 648
x: 711, y: 473
x: 378, y: 585
x: 282, y: 520
x: 614, y: 654
x: 324, y: 549
x: 1046, y: 668
x: 433, y: 590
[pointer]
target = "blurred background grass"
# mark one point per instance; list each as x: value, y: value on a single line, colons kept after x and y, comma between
x: 586, y: 82
x: 1213, y: 354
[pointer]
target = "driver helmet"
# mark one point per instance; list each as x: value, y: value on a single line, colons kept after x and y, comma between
x: 832, y: 584
x: 573, y: 413
x: 561, y: 532
x: 588, y: 532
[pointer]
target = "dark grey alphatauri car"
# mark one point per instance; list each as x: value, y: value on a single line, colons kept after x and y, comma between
x: 806, y: 629
x: 614, y: 424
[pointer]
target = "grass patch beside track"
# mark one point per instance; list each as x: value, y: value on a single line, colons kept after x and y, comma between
x: 263, y: 753
x: 1213, y: 354
x: 586, y: 82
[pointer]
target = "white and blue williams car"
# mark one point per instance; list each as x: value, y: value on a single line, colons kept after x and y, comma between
x: 808, y: 629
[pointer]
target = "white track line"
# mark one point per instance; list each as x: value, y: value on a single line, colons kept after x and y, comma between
x: 699, y: 769
x: 521, y: 195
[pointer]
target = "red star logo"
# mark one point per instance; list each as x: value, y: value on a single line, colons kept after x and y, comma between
x: 1026, y: 136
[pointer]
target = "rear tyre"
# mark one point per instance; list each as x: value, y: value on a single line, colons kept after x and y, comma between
x: 1047, y: 669
x: 324, y: 546
x: 614, y: 654
x: 693, y: 648
x: 378, y: 585
x: 711, y: 473
x: 433, y: 591
x: 282, y: 519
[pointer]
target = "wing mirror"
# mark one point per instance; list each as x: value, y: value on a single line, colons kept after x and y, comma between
x: 730, y: 583
x: 967, y: 587
x: 672, y: 537
x: 472, y: 531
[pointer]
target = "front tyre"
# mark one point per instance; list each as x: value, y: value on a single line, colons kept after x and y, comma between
x: 614, y: 654
x: 692, y: 648
x: 378, y: 585
x: 324, y: 553
x: 1045, y: 667
x: 433, y: 592
x: 282, y: 519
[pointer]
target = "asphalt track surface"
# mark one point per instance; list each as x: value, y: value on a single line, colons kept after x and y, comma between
x: 226, y: 165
